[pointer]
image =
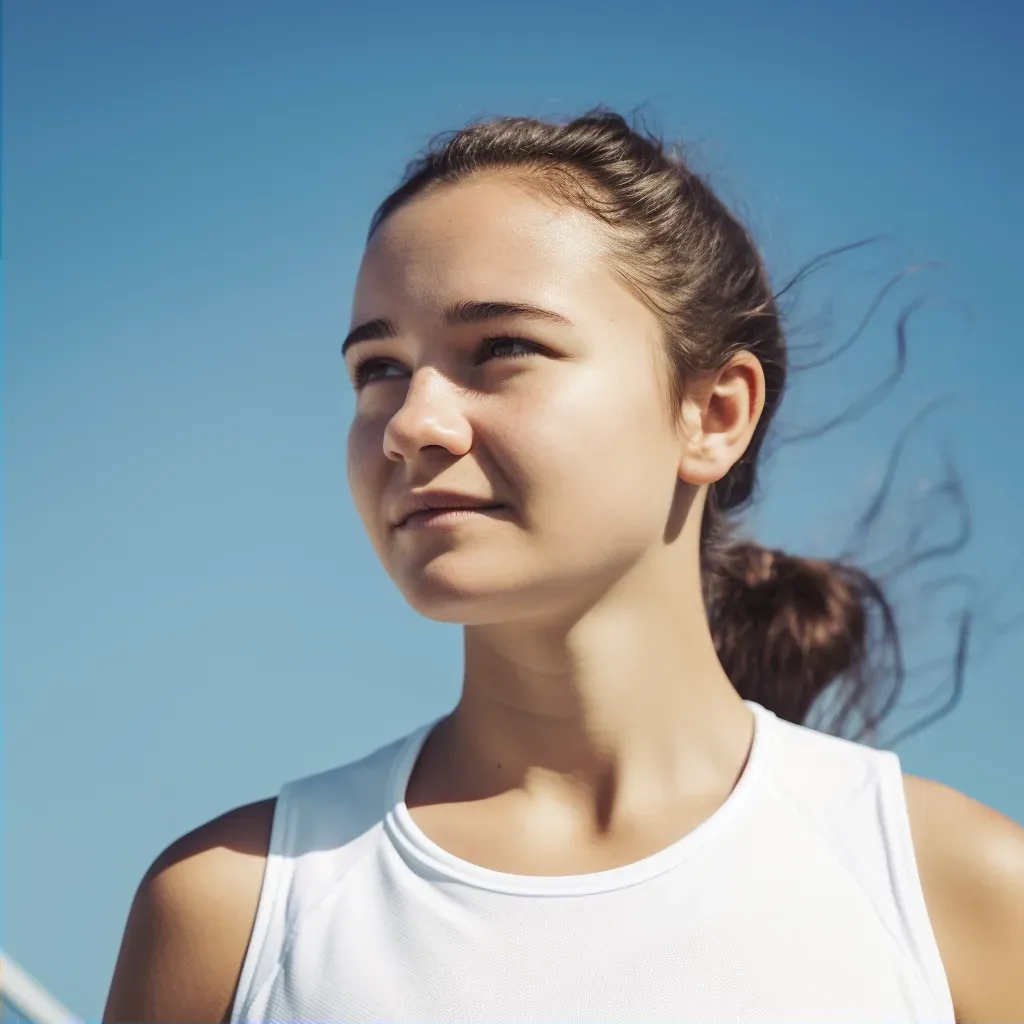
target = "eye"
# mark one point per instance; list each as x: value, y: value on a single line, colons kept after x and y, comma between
x: 499, y: 347
x: 369, y: 370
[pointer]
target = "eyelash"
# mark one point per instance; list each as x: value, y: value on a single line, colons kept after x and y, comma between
x: 362, y: 368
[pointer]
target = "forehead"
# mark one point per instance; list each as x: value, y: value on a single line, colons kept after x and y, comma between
x: 488, y: 237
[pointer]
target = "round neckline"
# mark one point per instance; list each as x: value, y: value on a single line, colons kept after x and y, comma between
x: 418, y: 847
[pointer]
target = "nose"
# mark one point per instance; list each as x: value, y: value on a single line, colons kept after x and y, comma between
x: 429, y: 417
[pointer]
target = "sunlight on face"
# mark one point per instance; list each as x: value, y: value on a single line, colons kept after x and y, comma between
x: 561, y: 419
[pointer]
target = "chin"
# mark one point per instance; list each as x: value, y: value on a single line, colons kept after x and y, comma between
x: 473, y: 595
x: 481, y: 595
x: 443, y: 602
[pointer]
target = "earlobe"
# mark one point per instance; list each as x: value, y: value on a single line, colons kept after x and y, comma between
x: 701, y: 464
x: 700, y: 461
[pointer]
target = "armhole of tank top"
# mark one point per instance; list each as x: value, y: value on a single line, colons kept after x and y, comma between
x: 910, y: 894
x: 273, y: 891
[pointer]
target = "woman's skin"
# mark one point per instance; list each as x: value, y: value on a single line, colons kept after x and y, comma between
x: 596, y: 724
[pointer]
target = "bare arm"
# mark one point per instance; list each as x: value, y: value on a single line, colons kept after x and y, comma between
x: 971, y: 862
x: 190, y: 923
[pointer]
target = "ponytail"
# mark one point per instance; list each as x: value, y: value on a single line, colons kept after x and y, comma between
x: 789, y: 630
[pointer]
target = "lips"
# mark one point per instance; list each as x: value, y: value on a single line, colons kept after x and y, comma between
x: 427, y: 514
x: 440, y: 501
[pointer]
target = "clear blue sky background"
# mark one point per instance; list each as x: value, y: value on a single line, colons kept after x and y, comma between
x: 192, y: 613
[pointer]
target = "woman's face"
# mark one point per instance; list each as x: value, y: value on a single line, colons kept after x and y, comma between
x: 560, y: 418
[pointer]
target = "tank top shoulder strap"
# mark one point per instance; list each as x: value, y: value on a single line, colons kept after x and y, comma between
x: 852, y: 796
x: 322, y: 825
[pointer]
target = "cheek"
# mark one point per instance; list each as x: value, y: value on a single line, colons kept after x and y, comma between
x: 366, y: 467
x: 599, y: 448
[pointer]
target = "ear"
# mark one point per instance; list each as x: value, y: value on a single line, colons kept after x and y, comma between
x: 719, y: 415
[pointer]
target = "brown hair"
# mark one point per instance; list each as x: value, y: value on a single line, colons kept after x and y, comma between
x: 785, y: 628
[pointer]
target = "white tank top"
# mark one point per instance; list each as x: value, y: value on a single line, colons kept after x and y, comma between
x: 797, y: 900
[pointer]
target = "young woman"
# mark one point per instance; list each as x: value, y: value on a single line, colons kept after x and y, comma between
x: 566, y: 353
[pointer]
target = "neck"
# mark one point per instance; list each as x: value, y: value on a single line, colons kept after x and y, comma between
x: 628, y: 697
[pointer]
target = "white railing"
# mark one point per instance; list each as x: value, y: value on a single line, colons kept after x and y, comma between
x: 28, y: 997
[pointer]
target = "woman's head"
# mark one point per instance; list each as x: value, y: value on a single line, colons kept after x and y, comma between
x: 578, y: 425
x: 616, y: 429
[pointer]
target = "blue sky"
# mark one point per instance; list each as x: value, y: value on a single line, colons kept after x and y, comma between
x: 192, y: 613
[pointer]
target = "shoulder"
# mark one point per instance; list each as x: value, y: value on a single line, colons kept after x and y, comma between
x: 190, y: 922
x: 971, y: 862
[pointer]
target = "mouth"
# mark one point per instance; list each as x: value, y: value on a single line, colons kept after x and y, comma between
x: 447, y: 517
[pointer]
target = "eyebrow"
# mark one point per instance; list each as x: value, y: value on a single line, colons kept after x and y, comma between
x: 458, y: 314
